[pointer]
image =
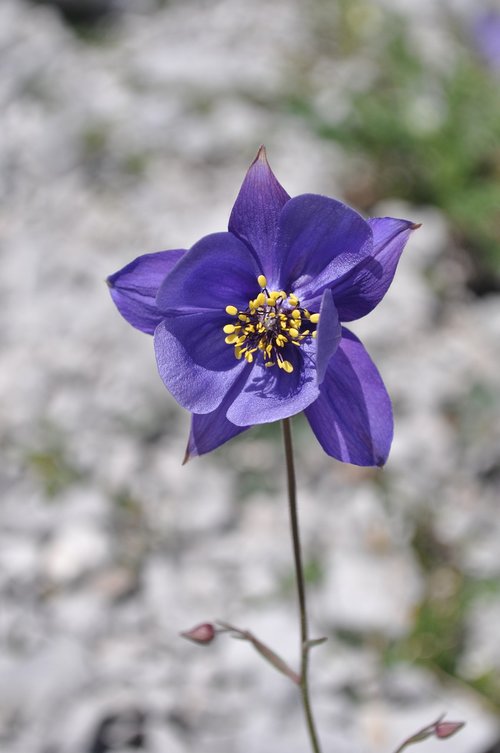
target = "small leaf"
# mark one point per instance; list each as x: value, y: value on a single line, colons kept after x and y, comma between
x: 315, y: 642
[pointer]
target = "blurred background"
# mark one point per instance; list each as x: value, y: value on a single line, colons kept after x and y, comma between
x: 126, y: 127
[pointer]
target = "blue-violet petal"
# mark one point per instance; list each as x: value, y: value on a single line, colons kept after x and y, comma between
x: 134, y: 288
x: 211, y: 430
x: 329, y: 334
x: 319, y: 241
x: 362, y: 288
x: 256, y: 212
x: 216, y: 272
x: 193, y: 360
x: 352, y: 418
x: 270, y: 394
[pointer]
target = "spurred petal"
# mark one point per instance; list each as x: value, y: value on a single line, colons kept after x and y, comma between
x: 216, y: 272
x: 319, y: 241
x: 211, y: 430
x: 256, y: 211
x: 270, y: 394
x: 362, y: 288
x: 194, y: 361
x: 134, y: 288
x: 352, y: 418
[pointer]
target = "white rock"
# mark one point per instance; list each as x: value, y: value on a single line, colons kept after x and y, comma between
x: 75, y: 550
x: 366, y: 592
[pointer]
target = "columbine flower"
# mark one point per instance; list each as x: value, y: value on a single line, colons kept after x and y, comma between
x: 247, y: 324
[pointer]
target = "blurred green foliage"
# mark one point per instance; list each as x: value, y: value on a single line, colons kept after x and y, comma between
x: 438, y: 636
x: 53, y: 468
x: 423, y: 130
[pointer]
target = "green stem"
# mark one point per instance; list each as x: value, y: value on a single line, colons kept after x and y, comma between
x: 299, y: 575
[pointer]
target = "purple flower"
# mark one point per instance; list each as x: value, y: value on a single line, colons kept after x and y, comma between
x: 247, y: 324
x: 486, y: 34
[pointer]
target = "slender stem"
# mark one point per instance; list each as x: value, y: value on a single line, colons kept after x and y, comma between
x: 299, y: 575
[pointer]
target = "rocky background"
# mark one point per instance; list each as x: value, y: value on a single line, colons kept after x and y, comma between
x: 129, y: 131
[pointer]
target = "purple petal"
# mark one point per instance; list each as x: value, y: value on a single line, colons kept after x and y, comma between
x: 195, y: 363
x: 211, y: 430
x: 319, y: 241
x: 270, y: 394
x: 362, y: 288
x: 352, y: 418
x: 329, y: 334
x: 134, y: 288
x: 256, y: 211
x: 216, y: 272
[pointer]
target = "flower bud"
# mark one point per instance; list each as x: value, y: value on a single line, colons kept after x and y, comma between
x: 202, y: 634
x: 447, y: 729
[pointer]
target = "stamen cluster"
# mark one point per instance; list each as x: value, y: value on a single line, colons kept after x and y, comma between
x: 271, y: 321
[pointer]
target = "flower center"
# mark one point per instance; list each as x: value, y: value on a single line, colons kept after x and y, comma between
x: 271, y: 322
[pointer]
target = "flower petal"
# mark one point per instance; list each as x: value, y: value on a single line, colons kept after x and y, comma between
x: 211, y: 430
x: 134, y: 288
x: 319, y: 241
x: 217, y: 271
x: 329, y: 334
x: 362, y: 288
x: 352, y: 418
x: 256, y: 212
x: 195, y: 363
x: 270, y: 394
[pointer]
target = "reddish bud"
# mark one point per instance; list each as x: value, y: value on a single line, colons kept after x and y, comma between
x: 447, y: 729
x: 203, y: 634
x: 439, y: 729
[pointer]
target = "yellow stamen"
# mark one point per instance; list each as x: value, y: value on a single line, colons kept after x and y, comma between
x: 286, y: 366
x: 271, y: 323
